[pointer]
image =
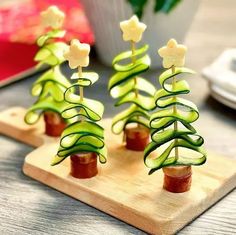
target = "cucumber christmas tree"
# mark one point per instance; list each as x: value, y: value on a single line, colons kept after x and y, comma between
x: 128, y: 87
x: 83, y: 140
x: 165, y: 124
x: 51, y: 85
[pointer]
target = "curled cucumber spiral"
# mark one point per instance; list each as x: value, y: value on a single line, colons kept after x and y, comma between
x: 49, y: 89
x: 125, y: 84
x: 161, y: 124
x: 83, y: 134
x: 51, y: 85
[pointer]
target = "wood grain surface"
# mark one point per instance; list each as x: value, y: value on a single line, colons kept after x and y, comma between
x: 124, y: 189
x: 12, y: 124
x: 28, y: 207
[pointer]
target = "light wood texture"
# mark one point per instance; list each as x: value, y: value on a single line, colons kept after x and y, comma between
x: 29, y: 207
x: 124, y: 189
x: 12, y: 124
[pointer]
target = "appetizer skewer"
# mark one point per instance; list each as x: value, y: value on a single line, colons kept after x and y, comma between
x: 51, y: 85
x: 83, y: 139
x: 172, y: 112
x: 128, y: 87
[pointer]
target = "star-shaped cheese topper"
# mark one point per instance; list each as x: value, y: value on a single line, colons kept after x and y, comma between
x: 53, y: 17
x: 77, y: 54
x: 173, y: 54
x: 132, y: 29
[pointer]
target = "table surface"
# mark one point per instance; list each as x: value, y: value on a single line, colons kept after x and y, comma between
x: 28, y: 207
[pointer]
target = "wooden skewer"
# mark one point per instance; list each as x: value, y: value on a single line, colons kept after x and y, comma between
x: 133, y: 58
x: 81, y: 89
x: 175, y: 110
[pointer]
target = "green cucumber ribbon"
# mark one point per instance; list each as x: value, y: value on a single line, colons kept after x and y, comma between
x: 51, y: 52
x: 49, y: 88
x: 161, y: 121
x: 84, y: 134
x: 122, y: 86
x: 53, y: 34
x: 51, y: 85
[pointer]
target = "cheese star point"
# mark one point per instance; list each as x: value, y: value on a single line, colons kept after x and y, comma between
x: 132, y: 29
x: 173, y: 54
x: 52, y: 17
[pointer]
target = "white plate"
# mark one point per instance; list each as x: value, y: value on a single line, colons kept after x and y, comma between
x: 221, y: 75
x: 223, y: 96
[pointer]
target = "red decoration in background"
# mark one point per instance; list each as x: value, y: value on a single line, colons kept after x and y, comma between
x: 20, y: 27
x: 15, y: 58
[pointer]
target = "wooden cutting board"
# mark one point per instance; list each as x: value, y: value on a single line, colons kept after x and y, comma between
x: 12, y: 124
x: 124, y: 189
